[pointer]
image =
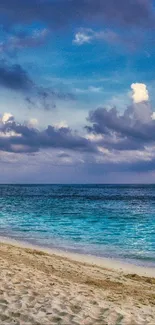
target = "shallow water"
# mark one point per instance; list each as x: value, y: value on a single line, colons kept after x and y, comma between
x: 103, y: 220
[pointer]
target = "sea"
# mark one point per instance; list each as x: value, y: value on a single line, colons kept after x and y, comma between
x: 113, y: 221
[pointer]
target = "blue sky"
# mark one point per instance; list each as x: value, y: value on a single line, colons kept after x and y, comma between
x: 77, y: 91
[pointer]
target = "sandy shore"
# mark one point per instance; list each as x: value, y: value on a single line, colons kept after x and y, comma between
x: 39, y: 288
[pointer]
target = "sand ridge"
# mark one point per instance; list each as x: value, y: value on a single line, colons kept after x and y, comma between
x: 37, y: 288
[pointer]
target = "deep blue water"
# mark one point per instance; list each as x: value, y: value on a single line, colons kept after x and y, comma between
x: 103, y: 220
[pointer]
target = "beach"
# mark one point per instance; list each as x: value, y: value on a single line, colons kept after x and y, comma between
x: 38, y: 287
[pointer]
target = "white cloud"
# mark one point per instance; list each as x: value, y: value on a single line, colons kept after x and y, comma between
x: 33, y: 122
x: 61, y: 124
x: 86, y: 35
x: 9, y: 134
x: 6, y: 117
x: 94, y: 137
x: 139, y: 92
x: 153, y: 116
x: 82, y: 38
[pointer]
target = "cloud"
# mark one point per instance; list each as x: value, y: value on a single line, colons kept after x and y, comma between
x: 32, y: 123
x: 26, y: 138
x: 14, y: 77
x: 22, y: 40
x: 139, y: 92
x: 112, y: 141
x: 87, y: 35
x: 129, y: 38
x: 61, y: 124
x: 6, y: 117
x: 60, y: 13
x: 121, y: 132
x: 142, y: 112
x: 108, y: 130
x: 132, y: 130
x: 82, y: 38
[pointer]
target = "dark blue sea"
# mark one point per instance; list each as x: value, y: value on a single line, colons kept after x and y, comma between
x: 116, y: 221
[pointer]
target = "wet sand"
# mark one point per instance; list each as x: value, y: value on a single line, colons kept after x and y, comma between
x: 39, y: 287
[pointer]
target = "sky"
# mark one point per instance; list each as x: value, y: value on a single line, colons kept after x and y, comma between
x: 77, y: 99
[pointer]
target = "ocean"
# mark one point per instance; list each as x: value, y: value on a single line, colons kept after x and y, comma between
x: 114, y: 221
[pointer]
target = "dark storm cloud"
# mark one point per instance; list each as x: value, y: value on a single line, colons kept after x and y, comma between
x: 25, y: 139
x: 121, y: 135
x: 15, y: 77
x: 129, y: 131
x: 60, y: 12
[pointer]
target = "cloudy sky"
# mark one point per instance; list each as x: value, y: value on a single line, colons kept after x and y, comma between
x: 77, y: 92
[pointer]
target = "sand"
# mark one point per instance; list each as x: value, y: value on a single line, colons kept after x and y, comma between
x: 39, y: 288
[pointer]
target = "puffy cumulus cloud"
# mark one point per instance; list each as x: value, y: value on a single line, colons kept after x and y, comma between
x: 122, y: 132
x: 107, y: 131
x: 131, y: 131
x: 82, y: 38
x: 142, y: 112
x: 26, y: 138
x: 6, y: 117
x: 139, y: 92
x: 112, y: 141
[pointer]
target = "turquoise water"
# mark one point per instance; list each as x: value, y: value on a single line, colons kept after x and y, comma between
x: 103, y: 220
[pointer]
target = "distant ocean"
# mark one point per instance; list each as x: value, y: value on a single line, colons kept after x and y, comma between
x: 116, y: 221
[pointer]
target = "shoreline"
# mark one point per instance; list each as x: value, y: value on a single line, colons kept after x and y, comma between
x: 39, y: 286
x: 106, y: 263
